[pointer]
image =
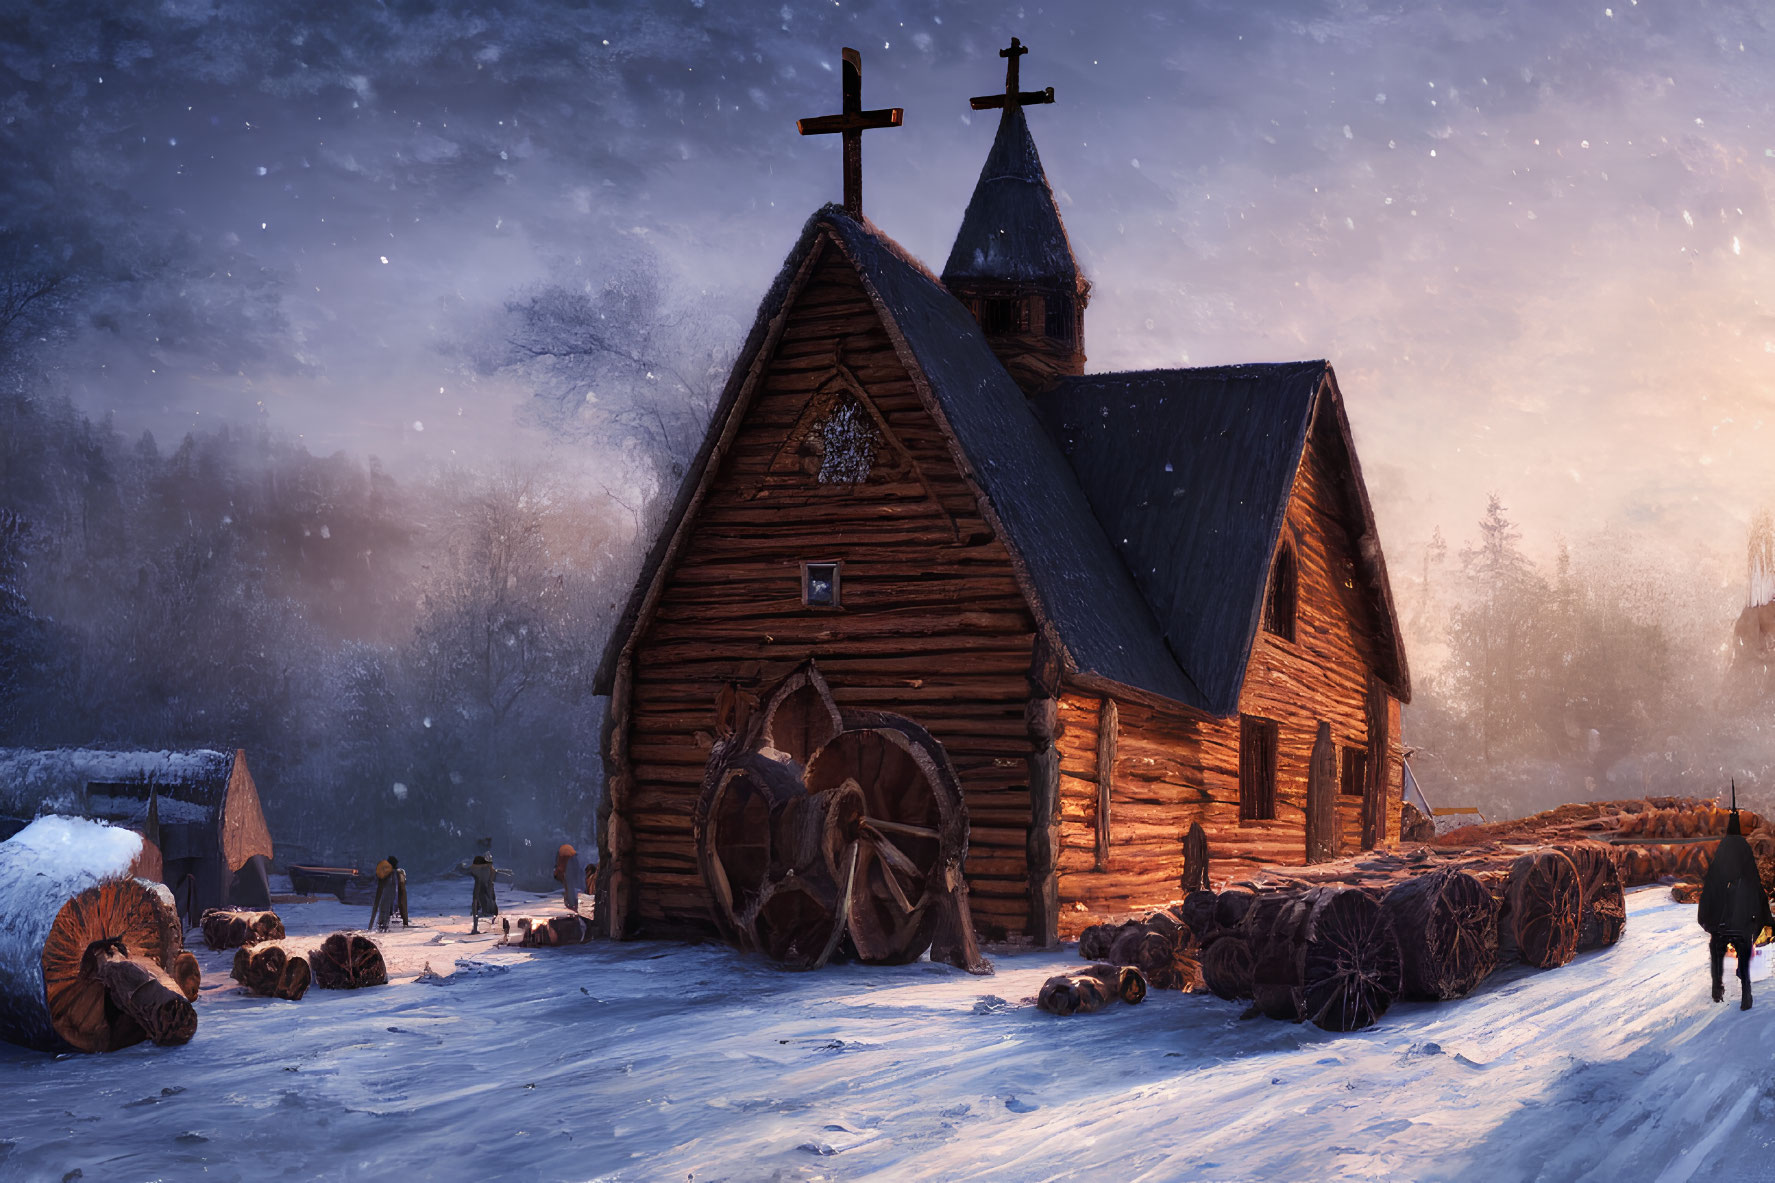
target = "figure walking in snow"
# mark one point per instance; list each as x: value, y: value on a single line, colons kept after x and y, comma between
x: 483, y: 902
x: 1733, y: 909
x: 391, y: 895
x: 570, y: 873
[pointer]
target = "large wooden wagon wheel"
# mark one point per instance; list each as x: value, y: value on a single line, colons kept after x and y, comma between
x: 815, y: 825
x: 913, y: 830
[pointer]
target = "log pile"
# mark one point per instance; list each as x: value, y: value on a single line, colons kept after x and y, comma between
x: 230, y: 928
x: 85, y: 947
x: 348, y: 961
x: 1327, y: 955
x: 1651, y: 838
x: 272, y: 971
x: 1092, y: 989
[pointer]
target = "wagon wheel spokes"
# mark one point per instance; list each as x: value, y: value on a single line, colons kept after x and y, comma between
x: 902, y: 828
x: 844, y: 906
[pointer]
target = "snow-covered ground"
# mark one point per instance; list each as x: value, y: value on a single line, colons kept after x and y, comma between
x: 652, y: 1061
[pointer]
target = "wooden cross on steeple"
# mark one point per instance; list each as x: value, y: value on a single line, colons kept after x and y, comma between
x: 851, y: 123
x: 1012, y: 96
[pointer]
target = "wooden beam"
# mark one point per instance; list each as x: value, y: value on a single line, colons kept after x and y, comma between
x: 1106, y: 774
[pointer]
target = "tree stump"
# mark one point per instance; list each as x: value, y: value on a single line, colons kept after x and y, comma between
x: 1602, y: 902
x: 272, y: 971
x: 1542, y: 905
x: 65, y: 891
x: 348, y: 961
x: 230, y: 928
x: 1447, y: 926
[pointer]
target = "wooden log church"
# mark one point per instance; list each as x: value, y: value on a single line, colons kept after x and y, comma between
x: 1123, y: 603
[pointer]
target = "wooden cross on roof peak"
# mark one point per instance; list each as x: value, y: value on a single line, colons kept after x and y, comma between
x: 852, y: 122
x: 1012, y: 96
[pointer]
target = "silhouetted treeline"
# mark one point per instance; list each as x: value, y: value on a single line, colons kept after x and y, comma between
x: 408, y: 665
x: 1598, y: 674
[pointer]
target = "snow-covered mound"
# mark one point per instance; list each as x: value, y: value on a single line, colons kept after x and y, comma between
x: 663, y: 1061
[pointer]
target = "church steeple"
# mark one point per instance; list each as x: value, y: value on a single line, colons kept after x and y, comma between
x: 1011, y: 263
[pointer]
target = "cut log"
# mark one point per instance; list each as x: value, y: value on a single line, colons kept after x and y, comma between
x: 64, y: 889
x: 1197, y: 911
x: 348, y: 961
x: 1092, y: 989
x: 1447, y: 926
x: 1226, y: 966
x: 1230, y: 907
x: 1328, y: 956
x: 141, y: 994
x: 1095, y: 940
x: 1602, y: 903
x: 1542, y: 904
x: 272, y: 971
x: 230, y: 928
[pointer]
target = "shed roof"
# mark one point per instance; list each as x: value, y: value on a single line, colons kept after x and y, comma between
x: 1012, y: 229
x: 57, y: 779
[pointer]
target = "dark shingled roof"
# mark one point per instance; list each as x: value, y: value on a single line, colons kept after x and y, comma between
x: 1190, y: 473
x: 1079, y: 586
x: 1012, y: 230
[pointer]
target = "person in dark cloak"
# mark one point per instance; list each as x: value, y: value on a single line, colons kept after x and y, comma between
x: 483, y: 902
x: 391, y: 894
x: 1733, y: 909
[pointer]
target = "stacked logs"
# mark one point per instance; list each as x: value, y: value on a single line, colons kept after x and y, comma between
x: 348, y: 961
x: 1092, y: 989
x: 1652, y: 838
x: 88, y: 951
x: 272, y: 971
x: 230, y: 928
x: 1338, y: 943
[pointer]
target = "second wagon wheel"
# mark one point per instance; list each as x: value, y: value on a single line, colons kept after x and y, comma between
x: 913, y: 832
x: 732, y: 830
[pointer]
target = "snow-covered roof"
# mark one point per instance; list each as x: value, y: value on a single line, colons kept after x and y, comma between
x: 34, y: 782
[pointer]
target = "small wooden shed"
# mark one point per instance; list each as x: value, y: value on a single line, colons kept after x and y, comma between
x: 199, y: 808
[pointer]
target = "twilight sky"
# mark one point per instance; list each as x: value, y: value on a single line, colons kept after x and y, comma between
x: 1533, y: 236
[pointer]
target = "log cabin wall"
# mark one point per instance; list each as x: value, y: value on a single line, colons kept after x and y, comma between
x: 932, y: 622
x: 1172, y: 768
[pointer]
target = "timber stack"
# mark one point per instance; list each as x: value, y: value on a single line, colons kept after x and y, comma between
x: 88, y: 951
x: 1652, y: 838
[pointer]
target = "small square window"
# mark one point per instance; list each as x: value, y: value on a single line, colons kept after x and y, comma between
x: 819, y: 585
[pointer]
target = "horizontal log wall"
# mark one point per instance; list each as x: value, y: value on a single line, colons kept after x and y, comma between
x: 1172, y: 768
x: 933, y: 624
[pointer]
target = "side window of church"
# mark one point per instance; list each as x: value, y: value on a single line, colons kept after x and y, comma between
x: 819, y: 585
x: 848, y: 441
x: 1257, y: 768
x: 1278, y: 609
x: 1354, y: 774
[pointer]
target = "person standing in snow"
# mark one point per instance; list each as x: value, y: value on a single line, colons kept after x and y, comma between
x: 483, y: 902
x: 1733, y: 909
x: 391, y: 895
x: 570, y: 873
